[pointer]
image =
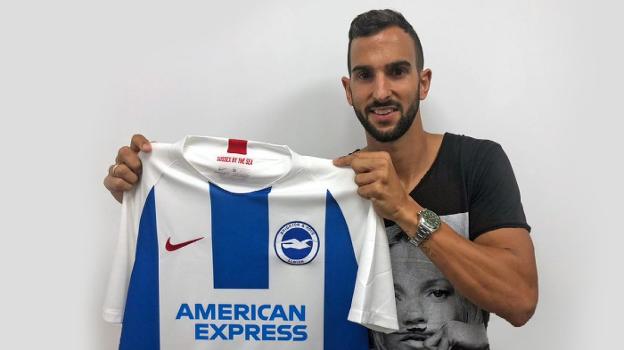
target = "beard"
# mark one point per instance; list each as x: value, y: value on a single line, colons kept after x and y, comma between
x: 404, y: 123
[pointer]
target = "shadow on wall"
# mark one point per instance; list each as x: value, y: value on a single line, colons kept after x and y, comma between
x: 315, y: 120
x: 436, y: 117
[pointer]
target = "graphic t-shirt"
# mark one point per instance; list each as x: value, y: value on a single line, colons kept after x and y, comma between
x: 231, y: 244
x: 472, y: 187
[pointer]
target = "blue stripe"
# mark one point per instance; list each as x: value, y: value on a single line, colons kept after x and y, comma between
x: 141, y: 323
x: 340, y: 273
x: 240, y: 238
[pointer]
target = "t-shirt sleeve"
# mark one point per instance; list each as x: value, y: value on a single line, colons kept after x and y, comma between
x: 131, y: 210
x: 373, y: 304
x: 123, y: 259
x: 495, y: 197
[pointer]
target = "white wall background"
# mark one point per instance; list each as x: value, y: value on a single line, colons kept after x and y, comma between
x: 78, y: 78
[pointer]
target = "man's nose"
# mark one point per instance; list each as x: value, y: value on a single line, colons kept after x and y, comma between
x: 382, y: 90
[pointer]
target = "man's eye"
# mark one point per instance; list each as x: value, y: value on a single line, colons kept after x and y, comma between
x: 399, y: 71
x: 362, y: 75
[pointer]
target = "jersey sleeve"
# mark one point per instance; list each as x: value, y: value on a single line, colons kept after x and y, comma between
x: 495, y: 197
x: 123, y: 260
x: 124, y: 253
x: 373, y: 304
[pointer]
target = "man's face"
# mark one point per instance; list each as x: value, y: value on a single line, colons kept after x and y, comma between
x: 384, y: 86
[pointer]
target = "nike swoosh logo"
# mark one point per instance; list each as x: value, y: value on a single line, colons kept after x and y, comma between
x: 171, y: 247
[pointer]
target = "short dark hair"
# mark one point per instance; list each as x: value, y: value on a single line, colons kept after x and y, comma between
x: 374, y: 21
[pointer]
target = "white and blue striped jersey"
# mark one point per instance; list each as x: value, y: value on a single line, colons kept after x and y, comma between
x: 231, y: 244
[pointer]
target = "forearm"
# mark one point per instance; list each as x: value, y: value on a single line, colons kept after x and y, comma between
x: 490, y: 277
x: 496, y: 278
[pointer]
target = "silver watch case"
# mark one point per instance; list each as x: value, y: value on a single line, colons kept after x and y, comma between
x: 428, y: 223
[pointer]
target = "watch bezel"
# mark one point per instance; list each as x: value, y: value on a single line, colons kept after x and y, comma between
x: 430, y: 219
x: 428, y: 223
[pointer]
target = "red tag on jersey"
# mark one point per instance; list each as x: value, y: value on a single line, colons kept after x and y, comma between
x: 237, y: 146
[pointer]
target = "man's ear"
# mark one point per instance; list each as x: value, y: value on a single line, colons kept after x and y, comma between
x: 347, y: 87
x: 425, y: 83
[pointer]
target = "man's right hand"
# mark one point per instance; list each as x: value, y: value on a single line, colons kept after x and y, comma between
x: 126, y: 172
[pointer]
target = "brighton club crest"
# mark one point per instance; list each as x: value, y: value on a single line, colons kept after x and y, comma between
x: 296, y: 243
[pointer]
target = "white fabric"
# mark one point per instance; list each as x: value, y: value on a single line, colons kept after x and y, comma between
x: 179, y: 174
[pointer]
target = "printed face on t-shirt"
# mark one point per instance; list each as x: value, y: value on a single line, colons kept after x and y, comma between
x: 425, y: 299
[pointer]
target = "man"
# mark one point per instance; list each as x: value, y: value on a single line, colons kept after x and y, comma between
x: 404, y: 170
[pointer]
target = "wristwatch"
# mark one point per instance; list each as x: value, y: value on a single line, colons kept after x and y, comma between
x: 428, y: 223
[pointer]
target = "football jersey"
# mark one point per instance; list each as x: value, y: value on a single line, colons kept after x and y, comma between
x: 233, y: 244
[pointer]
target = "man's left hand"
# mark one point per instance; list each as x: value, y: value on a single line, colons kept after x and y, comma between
x: 378, y: 181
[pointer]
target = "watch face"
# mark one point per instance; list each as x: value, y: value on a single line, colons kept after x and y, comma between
x: 431, y: 218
